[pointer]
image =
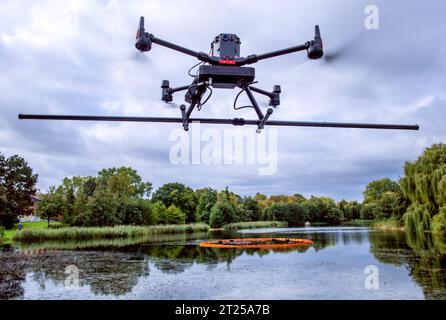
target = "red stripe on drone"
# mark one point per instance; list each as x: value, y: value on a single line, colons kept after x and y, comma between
x: 227, y: 62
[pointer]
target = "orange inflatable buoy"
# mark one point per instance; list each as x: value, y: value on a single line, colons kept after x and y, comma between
x: 257, y: 243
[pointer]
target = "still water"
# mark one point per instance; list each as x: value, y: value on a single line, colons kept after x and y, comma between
x: 175, y: 267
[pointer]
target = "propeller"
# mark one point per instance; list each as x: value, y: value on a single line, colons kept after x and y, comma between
x: 346, y: 50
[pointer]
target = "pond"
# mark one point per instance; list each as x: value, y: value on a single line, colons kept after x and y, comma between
x: 343, y: 263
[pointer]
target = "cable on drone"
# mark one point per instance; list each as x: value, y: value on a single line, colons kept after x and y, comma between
x: 236, y: 99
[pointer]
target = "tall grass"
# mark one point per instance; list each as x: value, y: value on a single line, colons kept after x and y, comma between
x: 255, y: 225
x: 388, y: 224
x: 75, y: 233
x: 358, y: 223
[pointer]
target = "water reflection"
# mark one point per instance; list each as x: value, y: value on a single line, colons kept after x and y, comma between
x: 420, y: 252
x: 114, y: 268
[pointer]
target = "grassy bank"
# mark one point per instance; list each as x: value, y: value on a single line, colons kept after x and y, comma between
x: 388, y: 224
x: 9, y: 233
x: 359, y: 223
x: 75, y: 233
x: 255, y: 225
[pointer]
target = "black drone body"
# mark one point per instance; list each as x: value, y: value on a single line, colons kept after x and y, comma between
x: 223, y: 68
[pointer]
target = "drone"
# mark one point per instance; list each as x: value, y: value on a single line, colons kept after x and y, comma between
x: 223, y: 68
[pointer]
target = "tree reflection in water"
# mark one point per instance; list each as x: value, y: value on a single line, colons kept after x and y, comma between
x: 423, y: 254
x: 114, y: 267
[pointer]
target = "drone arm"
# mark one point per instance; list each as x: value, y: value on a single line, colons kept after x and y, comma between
x: 314, y: 50
x: 199, y: 55
x: 144, y: 42
x: 255, y: 58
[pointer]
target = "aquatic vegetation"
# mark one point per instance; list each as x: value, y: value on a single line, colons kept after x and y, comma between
x: 388, y: 224
x: 85, y: 233
x: 255, y: 225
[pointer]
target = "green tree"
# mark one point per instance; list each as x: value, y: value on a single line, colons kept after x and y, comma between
x: 102, y: 209
x: 375, y: 190
x: 299, y: 197
x: 181, y: 196
x: 295, y: 214
x: 206, y: 200
x: 159, y: 212
x: 351, y: 209
x: 174, y: 215
x: 385, y: 199
x: 124, y: 181
x: 251, y: 208
x: 439, y: 222
x: 424, y: 184
x: 17, y: 186
x: 136, y: 211
x: 51, y: 205
x: 323, y: 209
x: 369, y: 211
x: 223, y: 212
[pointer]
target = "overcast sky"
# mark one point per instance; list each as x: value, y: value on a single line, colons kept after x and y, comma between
x: 78, y: 57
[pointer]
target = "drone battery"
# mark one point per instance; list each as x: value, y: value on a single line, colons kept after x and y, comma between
x: 226, y: 76
x: 226, y: 46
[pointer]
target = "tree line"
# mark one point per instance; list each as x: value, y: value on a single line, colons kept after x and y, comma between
x: 119, y: 196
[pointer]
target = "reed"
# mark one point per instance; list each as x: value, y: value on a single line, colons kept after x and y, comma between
x: 255, y: 225
x: 84, y: 233
x: 388, y: 224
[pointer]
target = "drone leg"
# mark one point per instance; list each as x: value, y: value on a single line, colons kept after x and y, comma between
x: 254, y: 103
x: 264, y: 120
x: 184, y: 117
x: 195, y: 99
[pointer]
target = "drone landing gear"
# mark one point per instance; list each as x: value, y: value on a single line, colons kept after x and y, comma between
x: 196, y: 91
x: 274, y: 102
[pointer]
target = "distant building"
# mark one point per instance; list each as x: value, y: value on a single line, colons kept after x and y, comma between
x: 31, y: 217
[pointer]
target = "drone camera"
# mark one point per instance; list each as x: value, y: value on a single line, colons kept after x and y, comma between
x: 226, y: 46
x: 143, y: 40
x: 315, y: 49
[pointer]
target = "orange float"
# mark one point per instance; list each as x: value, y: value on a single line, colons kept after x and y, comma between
x: 256, y: 243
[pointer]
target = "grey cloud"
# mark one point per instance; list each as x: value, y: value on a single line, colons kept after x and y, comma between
x: 80, y: 59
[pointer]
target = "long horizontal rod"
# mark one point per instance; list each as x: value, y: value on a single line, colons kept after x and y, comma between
x: 236, y: 122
